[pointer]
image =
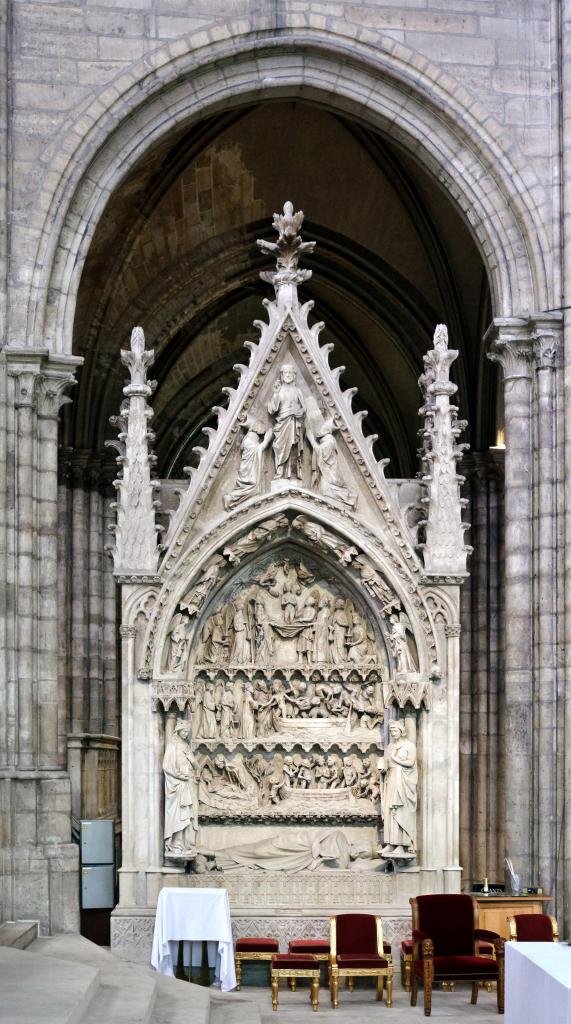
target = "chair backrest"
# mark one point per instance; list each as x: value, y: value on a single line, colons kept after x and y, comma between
x: 533, y: 928
x: 356, y: 933
x: 449, y: 919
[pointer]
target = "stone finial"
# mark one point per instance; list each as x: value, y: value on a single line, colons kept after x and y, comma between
x: 135, y: 550
x: 287, y: 250
x: 444, y: 548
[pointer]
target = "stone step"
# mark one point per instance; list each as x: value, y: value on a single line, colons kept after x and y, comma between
x: 38, y: 990
x: 133, y: 994
x: 127, y: 992
x: 18, y: 934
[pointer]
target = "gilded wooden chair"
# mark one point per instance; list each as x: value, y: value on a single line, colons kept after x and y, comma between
x: 446, y: 947
x: 533, y: 928
x: 358, y: 951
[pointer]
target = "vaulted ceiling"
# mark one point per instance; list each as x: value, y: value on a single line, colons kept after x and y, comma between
x: 175, y: 252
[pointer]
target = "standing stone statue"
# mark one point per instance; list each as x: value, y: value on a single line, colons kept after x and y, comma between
x: 326, y: 476
x: 287, y: 404
x: 241, y: 652
x: 399, y: 646
x: 178, y: 635
x: 399, y: 794
x: 340, y: 626
x: 181, y: 799
x: 322, y: 638
x: 252, y: 449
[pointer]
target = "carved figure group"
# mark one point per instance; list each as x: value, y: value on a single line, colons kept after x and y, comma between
x: 256, y: 782
x: 285, y: 612
x: 221, y: 710
x: 292, y: 422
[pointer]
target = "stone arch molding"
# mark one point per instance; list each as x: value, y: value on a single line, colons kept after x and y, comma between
x: 369, y: 75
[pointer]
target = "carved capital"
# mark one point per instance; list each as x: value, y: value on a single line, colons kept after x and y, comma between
x: 514, y: 354
x: 127, y: 631
x: 52, y: 387
x: 454, y: 629
x: 545, y: 348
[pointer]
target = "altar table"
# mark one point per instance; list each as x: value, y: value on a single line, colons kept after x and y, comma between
x: 538, y: 983
x: 194, y: 915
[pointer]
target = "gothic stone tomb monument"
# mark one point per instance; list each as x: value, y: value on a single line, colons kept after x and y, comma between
x: 290, y: 643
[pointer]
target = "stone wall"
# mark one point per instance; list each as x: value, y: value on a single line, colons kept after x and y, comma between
x: 471, y: 88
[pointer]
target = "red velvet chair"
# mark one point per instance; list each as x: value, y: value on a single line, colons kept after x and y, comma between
x: 446, y: 941
x: 358, y: 951
x: 533, y: 928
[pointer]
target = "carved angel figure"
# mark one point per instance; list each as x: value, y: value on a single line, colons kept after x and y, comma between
x: 287, y: 404
x: 326, y: 476
x: 252, y: 449
x: 194, y: 599
x: 181, y: 800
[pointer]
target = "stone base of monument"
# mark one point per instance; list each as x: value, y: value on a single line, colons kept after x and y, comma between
x: 287, y: 905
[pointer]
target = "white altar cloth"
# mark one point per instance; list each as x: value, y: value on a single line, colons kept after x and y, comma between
x: 194, y: 914
x: 538, y: 983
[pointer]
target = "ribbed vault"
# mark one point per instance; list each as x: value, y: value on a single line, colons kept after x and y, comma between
x: 175, y: 251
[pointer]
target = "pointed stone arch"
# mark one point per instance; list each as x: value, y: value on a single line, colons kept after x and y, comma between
x: 371, y: 76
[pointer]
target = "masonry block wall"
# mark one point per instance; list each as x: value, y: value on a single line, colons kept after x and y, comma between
x: 477, y: 92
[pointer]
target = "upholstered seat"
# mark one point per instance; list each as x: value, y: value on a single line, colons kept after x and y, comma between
x: 533, y: 928
x: 458, y: 968
x: 253, y: 948
x: 361, y: 960
x: 293, y: 966
x: 318, y: 947
x: 257, y: 945
x: 358, y: 950
x: 447, y: 946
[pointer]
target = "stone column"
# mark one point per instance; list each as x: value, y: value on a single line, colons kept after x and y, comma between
x: 511, y: 347
x: 78, y: 583
x: 545, y: 351
x: 95, y: 696
x: 51, y: 397
x: 39, y: 864
x: 111, y: 694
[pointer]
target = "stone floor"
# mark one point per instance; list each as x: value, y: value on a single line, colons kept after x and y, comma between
x: 360, y: 1007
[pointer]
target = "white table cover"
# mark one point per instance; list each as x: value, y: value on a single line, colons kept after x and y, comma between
x: 194, y: 914
x: 538, y: 983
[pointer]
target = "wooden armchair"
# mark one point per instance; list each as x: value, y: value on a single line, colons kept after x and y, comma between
x: 533, y: 928
x: 446, y: 941
x: 358, y: 951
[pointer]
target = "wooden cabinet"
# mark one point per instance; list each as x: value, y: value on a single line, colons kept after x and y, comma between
x: 495, y: 910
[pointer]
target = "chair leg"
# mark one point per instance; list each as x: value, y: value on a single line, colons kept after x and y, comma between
x: 390, y: 988
x: 292, y: 982
x: 405, y: 974
x: 315, y: 993
x: 428, y: 977
x: 413, y: 989
x: 275, y: 988
x: 475, y: 987
x: 238, y: 974
x: 334, y: 990
x: 350, y: 984
x: 380, y: 987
